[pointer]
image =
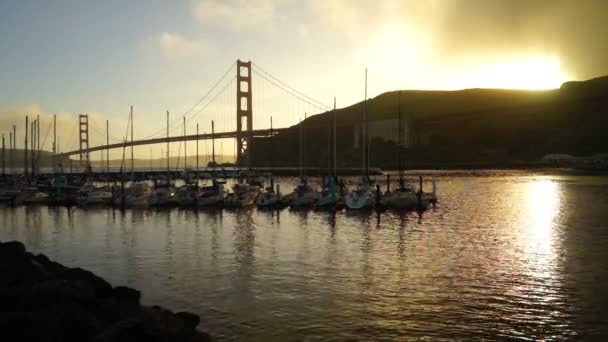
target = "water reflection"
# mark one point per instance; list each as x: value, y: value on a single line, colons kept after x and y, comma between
x: 490, y: 264
x: 543, y: 200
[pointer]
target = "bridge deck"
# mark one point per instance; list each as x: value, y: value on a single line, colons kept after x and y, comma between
x: 192, y: 137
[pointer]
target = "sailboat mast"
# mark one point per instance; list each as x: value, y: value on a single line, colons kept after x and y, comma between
x: 400, y: 139
x: 213, y: 143
x: 10, y: 151
x: 32, y: 146
x: 168, y: 164
x: 185, y: 144
x: 38, y: 146
x: 301, y: 148
x: 335, y: 156
x: 54, y: 160
x: 132, y: 159
x: 329, y: 140
x: 3, y: 156
x: 14, y: 150
x: 197, y: 146
x: 271, y: 144
x: 108, y: 146
x: 366, y: 150
x: 25, y: 147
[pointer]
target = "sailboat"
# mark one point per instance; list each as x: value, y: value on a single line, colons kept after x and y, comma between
x: 269, y: 198
x: 137, y: 195
x: 404, y: 197
x: 328, y: 196
x: 186, y: 194
x: 164, y: 193
x: 361, y: 197
x: 303, y: 195
x: 242, y: 195
x: 91, y: 195
x: 213, y: 195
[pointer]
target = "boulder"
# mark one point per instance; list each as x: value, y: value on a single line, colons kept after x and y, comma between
x: 42, y: 300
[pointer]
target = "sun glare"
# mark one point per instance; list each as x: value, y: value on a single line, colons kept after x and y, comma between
x: 534, y: 73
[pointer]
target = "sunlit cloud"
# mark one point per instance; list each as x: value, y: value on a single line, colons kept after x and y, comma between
x: 236, y: 15
x: 174, y: 45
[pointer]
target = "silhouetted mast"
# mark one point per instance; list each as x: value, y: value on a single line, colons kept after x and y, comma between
x: 366, y: 150
x: 334, y: 140
x: 185, y: 144
x: 38, y: 145
x: 3, y: 156
x: 108, y: 146
x: 197, y: 146
x: 271, y: 145
x: 400, y: 141
x: 132, y: 159
x: 25, y: 157
x: 32, y: 146
x: 301, y: 145
x: 168, y: 163
x: 13, y: 149
x: 54, y: 159
x: 10, y: 151
x: 213, y: 143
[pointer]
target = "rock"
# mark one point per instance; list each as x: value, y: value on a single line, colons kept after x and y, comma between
x: 12, y: 249
x: 125, y: 330
x: 126, y: 294
x: 42, y: 300
x: 190, y: 320
x: 85, y: 282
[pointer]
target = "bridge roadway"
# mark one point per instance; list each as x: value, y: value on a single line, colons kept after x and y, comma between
x: 223, y: 135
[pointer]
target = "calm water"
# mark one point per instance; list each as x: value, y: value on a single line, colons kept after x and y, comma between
x: 503, y: 256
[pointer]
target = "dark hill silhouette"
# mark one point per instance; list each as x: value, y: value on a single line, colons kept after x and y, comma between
x: 493, y: 127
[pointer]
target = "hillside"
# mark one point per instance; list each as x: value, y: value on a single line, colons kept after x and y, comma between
x: 473, y: 126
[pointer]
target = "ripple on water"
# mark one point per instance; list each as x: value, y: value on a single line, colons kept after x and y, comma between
x: 503, y: 256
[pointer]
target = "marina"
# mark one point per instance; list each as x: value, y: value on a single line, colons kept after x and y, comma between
x: 517, y: 255
x: 246, y: 189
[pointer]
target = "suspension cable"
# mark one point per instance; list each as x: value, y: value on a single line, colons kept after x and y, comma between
x: 176, y: 121
x: 291, y: 93
x: 325, y: 107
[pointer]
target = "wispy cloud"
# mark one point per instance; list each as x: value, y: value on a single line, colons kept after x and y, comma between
x: 236, y: 15
x: 174, y: 45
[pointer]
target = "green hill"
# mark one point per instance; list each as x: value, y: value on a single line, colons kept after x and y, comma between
x: 453, y: 128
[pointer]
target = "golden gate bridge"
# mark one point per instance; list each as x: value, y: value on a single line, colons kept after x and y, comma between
x: 245, y: 72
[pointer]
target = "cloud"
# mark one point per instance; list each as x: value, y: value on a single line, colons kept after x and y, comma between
x: 236, y: 15
x: 174, y: 45
x: 574, y: 30
x: 473, y: 31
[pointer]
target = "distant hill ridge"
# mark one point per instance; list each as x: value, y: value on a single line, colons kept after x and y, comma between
x: 461, y: 126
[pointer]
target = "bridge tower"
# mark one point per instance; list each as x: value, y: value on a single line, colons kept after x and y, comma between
x: 83, y: 137
x: 244, y: 112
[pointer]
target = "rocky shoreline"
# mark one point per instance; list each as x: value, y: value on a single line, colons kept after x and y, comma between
x: 42, y: 300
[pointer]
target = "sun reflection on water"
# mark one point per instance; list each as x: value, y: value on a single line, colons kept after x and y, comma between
x: 542, y: 203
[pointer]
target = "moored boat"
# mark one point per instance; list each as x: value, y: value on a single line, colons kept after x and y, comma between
x: 269, y: 198
x: 213, y: 195
x: 361, y: 197
x: 243, y: 195
x: 164, y: 193
x: 303, y: 195
x: 135, y: 196
x: 90, y: 195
